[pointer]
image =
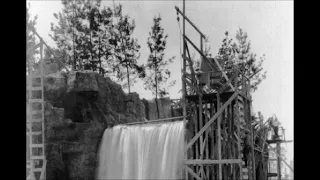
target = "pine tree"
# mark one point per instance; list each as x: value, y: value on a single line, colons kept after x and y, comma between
x: 31, y: 42
x: 157, y: 72
x: 126, y: 49
x: 240, y: 50
x: 83, y: 31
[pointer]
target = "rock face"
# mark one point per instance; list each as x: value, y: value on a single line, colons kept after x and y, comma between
x: 164, y: 105
x: 79, y: 107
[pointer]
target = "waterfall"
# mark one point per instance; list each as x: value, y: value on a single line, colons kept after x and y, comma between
x: 149, y: 151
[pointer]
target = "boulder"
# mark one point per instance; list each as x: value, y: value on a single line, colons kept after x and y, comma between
x: 80, y: 81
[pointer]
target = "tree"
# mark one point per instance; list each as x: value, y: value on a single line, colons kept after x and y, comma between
x: 126, y: 49
x: 247, y: 61
x: 31, y: 41
x: 83, y: 32
x: 158, y: 74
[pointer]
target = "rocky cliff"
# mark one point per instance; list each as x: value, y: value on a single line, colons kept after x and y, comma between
x: 79, y: 107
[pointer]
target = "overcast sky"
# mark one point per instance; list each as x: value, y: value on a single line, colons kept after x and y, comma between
x: 269, y: 25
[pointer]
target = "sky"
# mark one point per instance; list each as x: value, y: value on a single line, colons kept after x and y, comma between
x: 269, y: 25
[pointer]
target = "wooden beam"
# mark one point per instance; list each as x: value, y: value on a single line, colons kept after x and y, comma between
x: 206, y: 138
x: 192, y: 86
x: 255, y: 73
x: 217, y: 63
x: 34, y: 47
x: 191, y: 68
x: 192, y: 173
x: 219, y: 136
x: 210, y: 161
x: 225, y: 85
x: 154, y: 121
x: 63, y: 65
x: 185, y: 17
x: 205, y: 127
x: 200, y: 126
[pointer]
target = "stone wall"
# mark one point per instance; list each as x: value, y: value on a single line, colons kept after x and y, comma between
x: 79, y: 107
x: 164, y: 105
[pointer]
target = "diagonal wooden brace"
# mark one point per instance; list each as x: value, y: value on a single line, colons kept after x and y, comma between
x: 206, y: 126
x: 192, y: 173
x: 220, y: 68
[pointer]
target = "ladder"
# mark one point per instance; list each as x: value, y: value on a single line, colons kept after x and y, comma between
x: 36, y: 161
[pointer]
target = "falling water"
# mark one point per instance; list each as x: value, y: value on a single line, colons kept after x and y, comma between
x: 150, y: 151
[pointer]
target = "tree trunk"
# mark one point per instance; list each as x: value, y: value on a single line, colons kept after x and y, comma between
x: 156, y: 80
x: 128, y: 77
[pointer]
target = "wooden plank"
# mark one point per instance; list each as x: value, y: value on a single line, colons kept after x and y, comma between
x: 201, y: 136
x: 37, y: 145
x: 33, y: 133
x: 191, y: 68
x: 36, y: 157
x: 192, y: 173
x: 192, y: 86
x: 207, y: 138
x: 225, y: 85
x: 35, y: 100
x: 37, y: 169
x: 186, y: 18
x: 248, y: 110
x: 210, y: 161
x: 205, y: 127
x: 196, y: 131
x: 35, y: 88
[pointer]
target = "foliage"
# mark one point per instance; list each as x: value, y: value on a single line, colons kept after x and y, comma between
x: 98, y: 38
x: 31, y: 41
x: 157, y: 72
x: 248, y: 62
x: 83, y: 32
x: 126, y: 49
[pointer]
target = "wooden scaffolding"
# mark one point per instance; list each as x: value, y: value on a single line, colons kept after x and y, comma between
x: 35, y: 128
x: 218, y: 121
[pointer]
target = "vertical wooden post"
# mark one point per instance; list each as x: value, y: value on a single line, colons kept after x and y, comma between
x: 196, y: 131
x: 219, y: 136
x: 201, y: 137
x: 207, y: 138
x: 237, y: 119
x: 251, y: 130
x: 278, y: 161
x: 184, y: 84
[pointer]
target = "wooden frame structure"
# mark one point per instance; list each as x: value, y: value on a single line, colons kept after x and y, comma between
x: 36, y: 160
x: 35, y: 128
x: 218, y: 121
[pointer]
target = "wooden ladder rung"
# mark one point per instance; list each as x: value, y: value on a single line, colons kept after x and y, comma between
x: 33, y: 133
x: 37, y: 169
x: 34, y: 76
x: 35, y: 100
x: 36, y: 157
x: 35, y: 88
x: 37, y: 145
x: 36, y: 112
x: 35, y: 120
